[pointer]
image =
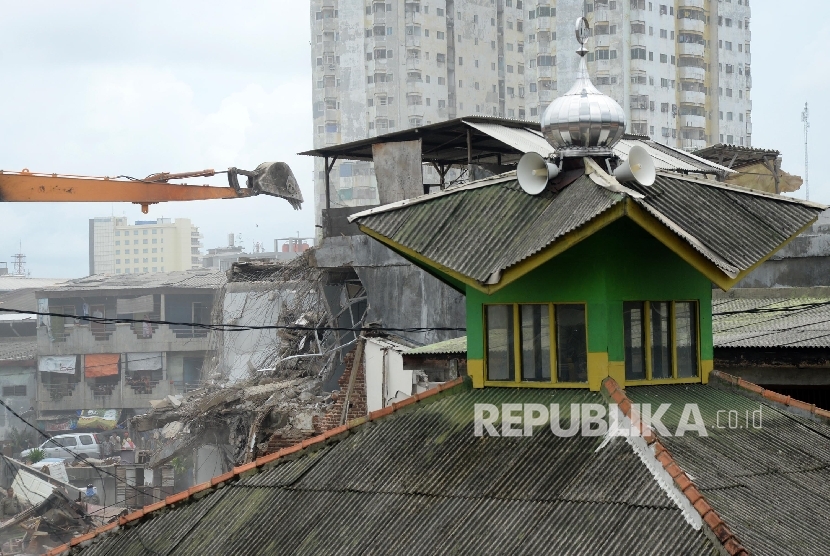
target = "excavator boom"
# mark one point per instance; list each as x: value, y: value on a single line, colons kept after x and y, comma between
x: 275, y: 179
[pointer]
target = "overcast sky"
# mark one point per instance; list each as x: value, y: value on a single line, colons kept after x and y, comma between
x: 109, y: 88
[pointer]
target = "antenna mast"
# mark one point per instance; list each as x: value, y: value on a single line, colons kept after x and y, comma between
x: 805, y: 117
x: 19, y: 262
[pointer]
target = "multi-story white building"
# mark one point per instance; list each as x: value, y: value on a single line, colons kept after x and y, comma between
x: 161, y: 245
x: 680, y: 69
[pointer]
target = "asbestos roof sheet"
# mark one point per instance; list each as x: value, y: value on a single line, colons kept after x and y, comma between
x: 12, y: 283
x: 480, y: 231
x: 486, y: 227
x: 767, y: 480
x: 447, y: 347
x: 735, y: 227
x: 18, y: 349
x: 177, y: 279
x: 772, y: 322
x: 421, y: 482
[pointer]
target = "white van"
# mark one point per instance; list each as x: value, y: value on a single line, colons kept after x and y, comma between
x: 68, y: 446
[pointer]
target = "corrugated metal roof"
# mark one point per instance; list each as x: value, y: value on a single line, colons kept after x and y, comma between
x: 454, y: 346
x: 523, y: 140
x: 480, y: 229
x: 772, y: 322
x: 667, y: 158
x: 421, y: 482
x: 768, y: 481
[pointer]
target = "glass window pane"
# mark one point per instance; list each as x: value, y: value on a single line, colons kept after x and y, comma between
x: 571, y: 344
x: 685, y: 314
x: 535, y: 342
x: 500, y: 359
x: 634, y: 325
x: 660, y: 335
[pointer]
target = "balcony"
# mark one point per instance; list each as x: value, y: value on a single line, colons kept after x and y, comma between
x: 379, y: 16
x: 694, y: 122
x: 692, y: 97
x: 122, y: 338
x: 690, y: 72
x: 90, y: 394
x: 691, y: 4
x: 690, y: 49
x: 684, y: 24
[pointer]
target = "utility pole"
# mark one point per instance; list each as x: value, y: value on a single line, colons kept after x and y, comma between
x: 805, y: 117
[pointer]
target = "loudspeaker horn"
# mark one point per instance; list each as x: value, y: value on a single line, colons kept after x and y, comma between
x: 534, y: 172
x: 639, y: 167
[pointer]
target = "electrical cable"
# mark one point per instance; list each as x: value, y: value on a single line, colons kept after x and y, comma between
x: 82, y: 457
x: 236, y: 327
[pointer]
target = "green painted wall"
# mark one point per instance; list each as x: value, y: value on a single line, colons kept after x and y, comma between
x: 620, y: 263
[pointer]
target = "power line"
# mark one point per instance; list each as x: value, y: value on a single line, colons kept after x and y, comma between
x: 81, y: 457
x: 226, y: 327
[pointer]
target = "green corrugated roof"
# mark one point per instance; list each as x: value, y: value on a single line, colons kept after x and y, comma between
x: 483, y: 228
x: 456, y: 345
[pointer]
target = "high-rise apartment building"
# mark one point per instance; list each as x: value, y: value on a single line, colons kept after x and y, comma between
x: 680, y: 69
x: 161, y: 245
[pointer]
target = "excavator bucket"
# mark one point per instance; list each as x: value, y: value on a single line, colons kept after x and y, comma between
x: 277, y: 179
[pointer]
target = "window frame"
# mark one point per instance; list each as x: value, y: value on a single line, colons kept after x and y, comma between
x: 674, y: 379
x: 517, y: 347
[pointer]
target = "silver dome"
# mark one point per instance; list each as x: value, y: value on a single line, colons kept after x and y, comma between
x: 583, y: 121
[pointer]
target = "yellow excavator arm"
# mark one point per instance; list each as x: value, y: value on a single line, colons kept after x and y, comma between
x: 270, y: 178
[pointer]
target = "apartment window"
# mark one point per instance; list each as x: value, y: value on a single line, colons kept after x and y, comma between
x: 638, y: 28
x: 135, y: 251
x: 661, y: 340
x: 729, y: 92
x: 728, y: 45
x: 602, y: 54
x: 545, y: 342
x: 154, y: 240
x: 664, y: 59
x: 545, y: 61
x: 17, y: 391
x: 729, y: 116
x: 135, y: 232
x: 117, y: 261
x: 638, y: 53
x: 439, y: 11
x: 117, y: 234
x: 460, y: 60
x: 728, y: 22
x: 439, y: 35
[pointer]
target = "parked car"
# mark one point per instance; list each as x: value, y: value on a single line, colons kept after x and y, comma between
x: 69, y: 446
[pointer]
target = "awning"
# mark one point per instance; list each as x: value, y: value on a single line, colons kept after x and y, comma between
x: 57, y: 364
x: 144, y: 361
x: 143, y: 304
x: 101, y: 364
x: 523, y: 140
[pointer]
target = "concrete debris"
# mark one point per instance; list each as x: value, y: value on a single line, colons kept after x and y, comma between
x: 266, y: 382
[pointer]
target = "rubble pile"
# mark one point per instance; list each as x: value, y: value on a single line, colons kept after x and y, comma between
x: 264, y: 384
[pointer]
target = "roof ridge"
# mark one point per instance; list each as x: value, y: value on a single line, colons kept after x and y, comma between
x: 681, y: 480
x: 198, y: 491
x: 787, y: 402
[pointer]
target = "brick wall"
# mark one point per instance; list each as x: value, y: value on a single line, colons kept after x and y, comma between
x: 357, y: 405
x: 357, y: 408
